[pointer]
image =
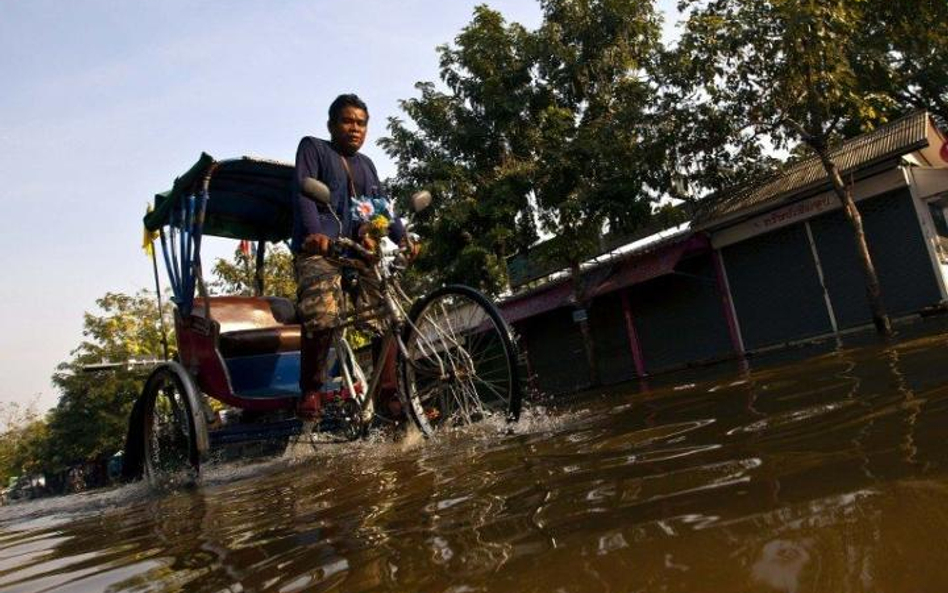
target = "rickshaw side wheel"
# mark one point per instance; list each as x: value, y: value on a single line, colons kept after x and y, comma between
x: 173, y: 434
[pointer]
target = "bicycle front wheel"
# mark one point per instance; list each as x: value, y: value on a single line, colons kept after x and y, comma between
x: 460, y: 363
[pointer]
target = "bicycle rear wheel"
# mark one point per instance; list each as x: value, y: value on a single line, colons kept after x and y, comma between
x: 460, y: 364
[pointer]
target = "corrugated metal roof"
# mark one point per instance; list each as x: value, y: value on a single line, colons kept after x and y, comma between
x: 643, y: 262
x: 527, y: 267
x: 888, y: 142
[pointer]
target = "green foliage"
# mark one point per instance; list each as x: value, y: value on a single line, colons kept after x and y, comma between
x: 91, y: 417
x: 236, y: 277
x: 702, y: 140
x: 758, y: 73
x: 905, y: 53
x: 127, y: 327
x: 22, y: 441
x: 597, y: 157
x: 471, y: 145
x: 668, y: 215
x: 548, y: 129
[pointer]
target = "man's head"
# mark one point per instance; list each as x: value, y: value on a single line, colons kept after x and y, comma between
x: 348, y: 120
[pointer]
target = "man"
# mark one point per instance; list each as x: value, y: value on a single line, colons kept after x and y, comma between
x: 349, y: 175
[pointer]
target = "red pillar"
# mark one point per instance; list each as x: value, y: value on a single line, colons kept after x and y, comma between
x: 634, y: 345
x: 728, y: 307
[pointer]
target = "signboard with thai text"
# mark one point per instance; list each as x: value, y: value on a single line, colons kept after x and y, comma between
x: 796, y: 212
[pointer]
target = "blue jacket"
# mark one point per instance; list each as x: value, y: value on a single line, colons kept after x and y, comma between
x: 318, y: 158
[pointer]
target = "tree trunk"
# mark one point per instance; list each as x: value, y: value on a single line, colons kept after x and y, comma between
x: 589, y: 344
x: 873, y: 292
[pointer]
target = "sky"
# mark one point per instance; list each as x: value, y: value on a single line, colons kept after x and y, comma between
x: 104, y: 102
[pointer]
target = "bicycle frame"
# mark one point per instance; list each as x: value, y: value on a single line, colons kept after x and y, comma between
x: 390, y: 310
x: 393, y: 316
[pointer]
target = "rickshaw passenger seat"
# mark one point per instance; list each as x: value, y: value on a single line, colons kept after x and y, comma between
x: 254, y: 325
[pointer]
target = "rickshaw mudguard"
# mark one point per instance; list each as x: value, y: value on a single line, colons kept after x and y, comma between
x: 195, y: 409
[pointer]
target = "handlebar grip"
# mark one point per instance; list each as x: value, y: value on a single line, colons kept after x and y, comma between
x: 343, y: 243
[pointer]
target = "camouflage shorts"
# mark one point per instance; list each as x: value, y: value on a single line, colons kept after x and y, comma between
x: 322, y: 301
x: 318, y: 292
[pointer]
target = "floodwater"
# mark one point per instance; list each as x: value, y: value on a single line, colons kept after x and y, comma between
x: 828, y: 474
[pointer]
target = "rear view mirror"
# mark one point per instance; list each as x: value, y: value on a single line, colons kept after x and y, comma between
x: 420, y: 200
x: 315, y: 190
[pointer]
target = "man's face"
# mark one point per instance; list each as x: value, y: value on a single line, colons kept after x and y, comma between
x: 348, y: 131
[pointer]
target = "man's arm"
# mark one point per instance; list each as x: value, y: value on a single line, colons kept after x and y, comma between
x: 308, y: 164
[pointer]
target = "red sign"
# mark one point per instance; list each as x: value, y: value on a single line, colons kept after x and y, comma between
x: 944, y: 151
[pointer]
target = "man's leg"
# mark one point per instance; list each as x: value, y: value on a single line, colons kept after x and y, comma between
x: 388, y: 403
x: 319, y: 298
x: 314, y: 348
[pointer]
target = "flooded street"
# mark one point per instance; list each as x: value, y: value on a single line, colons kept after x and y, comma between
x: 829, y: 474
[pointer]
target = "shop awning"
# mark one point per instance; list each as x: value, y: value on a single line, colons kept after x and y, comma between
x: 651, y: 264
x: 659, y: 260
x: 538, y: 302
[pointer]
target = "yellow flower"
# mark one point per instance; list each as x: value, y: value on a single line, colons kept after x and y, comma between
x: 379, y: 226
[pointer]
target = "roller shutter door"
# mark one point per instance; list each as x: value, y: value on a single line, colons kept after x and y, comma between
x: 898, y: 252
x: 613, y: 352
x: 678, y: 317
x: 555, y: 347
x: 775, y: 288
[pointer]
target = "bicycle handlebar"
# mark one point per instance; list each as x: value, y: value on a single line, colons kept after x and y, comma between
x: 342, y: 243
x: 363, y: 257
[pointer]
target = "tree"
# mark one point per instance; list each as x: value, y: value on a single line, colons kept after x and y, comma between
x: 550, y: 129
x: 22, y: 441
x: 705, y: 146
x: 788, y: 71
x: 238, y: 275
x: 596, y: 157
x: 89, y: 422
x: 905, y: 47
x: 472, y: 146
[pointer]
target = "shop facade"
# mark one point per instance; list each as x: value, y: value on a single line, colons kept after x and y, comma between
x: 771, y: 266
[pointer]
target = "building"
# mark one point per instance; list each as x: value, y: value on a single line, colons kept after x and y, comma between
x: 758, y: 269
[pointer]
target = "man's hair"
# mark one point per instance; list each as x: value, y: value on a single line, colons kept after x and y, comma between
x: 343, y: 101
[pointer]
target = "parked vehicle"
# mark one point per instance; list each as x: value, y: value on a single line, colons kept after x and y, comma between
x: 20, y: 488
x: 455, y: 357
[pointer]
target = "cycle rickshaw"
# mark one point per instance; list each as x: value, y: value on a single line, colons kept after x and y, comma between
x: 455, y: 358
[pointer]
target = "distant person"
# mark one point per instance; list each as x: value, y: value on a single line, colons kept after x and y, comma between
x: 350, y: 176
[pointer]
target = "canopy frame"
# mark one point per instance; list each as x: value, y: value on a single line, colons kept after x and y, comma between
x: 247, y: 199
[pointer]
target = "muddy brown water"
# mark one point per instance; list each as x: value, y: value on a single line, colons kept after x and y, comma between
x: 826, y: 474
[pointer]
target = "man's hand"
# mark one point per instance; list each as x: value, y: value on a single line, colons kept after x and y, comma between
x: 365, y: 237
x: 412, y: 249
x: 316, y: 244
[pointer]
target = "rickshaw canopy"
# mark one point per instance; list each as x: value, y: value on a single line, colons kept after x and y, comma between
x: 246, y: 198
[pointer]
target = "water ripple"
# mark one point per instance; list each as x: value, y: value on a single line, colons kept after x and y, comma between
x: 827, y: 474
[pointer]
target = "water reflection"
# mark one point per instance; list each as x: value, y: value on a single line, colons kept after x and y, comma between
x: 826, y: 474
